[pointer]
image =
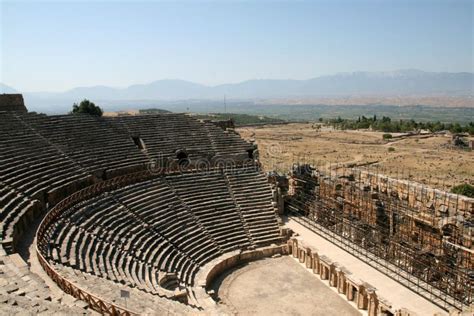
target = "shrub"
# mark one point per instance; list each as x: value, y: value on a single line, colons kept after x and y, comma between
x: 464, y: 189
x: 387, y: 136
x: 88, y: 107
x: 391, y: 149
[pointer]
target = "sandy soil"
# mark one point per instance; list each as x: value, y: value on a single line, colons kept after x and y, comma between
x: 427, y: 160
x: 280, y: 286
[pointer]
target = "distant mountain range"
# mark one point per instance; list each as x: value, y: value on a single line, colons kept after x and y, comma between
x: 356, y: 84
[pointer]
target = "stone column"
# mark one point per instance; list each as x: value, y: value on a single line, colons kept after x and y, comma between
x: 316, y: 263
x: 301, y: 255
x: 362, y: 298
x: 308, y: 259
x: 295, y: 248
x: 332, y: 275
x: 324, y: 271
x: 349, y: 291
x: 341, y: 281
x: 351, y: 287
x: 373, y: 303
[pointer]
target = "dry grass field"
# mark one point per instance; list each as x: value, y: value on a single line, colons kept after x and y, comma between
x: 431, y: 160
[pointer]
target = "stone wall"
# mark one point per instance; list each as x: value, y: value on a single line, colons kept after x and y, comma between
x: 439, y: 206
x: 12, y: 102
x: 423, y: 231
x: 216, y: 267
x: 362, y: 294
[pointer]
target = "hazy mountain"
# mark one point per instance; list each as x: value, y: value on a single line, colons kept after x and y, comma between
x: 95, y: 92
x: 394, y: 83
x: 167, y: 89
x: 402, y: 82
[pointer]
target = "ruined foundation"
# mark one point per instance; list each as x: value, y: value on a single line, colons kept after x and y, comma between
x: 418, y: 230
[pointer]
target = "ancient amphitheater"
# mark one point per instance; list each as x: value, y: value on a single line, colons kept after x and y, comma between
x: 166, y: 214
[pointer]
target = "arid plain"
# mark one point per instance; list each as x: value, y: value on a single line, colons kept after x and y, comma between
x: 429, y: 159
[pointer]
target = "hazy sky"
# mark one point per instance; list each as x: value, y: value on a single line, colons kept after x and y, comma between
x: 59, y: 45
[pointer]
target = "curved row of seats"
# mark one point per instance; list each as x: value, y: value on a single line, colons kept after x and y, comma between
x: 138, y: 301
x: 209, y: 199
x: 30, y: 163
x: 34, y: 172
x: 16, y: 210
x: 163, y: 135
x: 153, y: 236
x: 98, y: 239
x: 108, y: 217
x: 250, y: 191
x: 46, y: 158
x: 90, y: 141
x: 173, y: 224
x: 228, y: 143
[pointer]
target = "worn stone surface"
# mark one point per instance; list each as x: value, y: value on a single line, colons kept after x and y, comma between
x: 279, y: 286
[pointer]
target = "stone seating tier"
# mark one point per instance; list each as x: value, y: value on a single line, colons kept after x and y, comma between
x: 135, y: 234
x: 173, y: 224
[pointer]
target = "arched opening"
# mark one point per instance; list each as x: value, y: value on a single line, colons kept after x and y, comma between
x: 250, y: 153
x: 138, y: 142
x: 182, y: 156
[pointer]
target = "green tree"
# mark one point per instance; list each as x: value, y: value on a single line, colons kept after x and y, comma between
x: 456, y: 128
x: 88, y: 107
x: 470, y: 128
x: 464, y: 189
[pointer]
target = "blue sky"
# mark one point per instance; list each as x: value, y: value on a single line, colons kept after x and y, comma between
x: 56, y: 46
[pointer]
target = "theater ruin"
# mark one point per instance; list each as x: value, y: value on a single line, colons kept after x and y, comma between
x: 165, y: 213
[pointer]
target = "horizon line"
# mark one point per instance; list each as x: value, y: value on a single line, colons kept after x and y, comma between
x: 238, y: 82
